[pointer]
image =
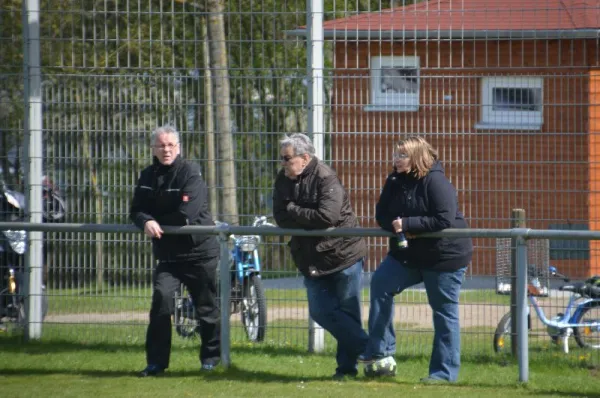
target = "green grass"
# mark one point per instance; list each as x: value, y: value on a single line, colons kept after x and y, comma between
x: 90, y: 300
x: 101, y: 360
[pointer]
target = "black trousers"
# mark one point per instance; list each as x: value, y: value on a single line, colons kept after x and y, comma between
x: 199, y: 276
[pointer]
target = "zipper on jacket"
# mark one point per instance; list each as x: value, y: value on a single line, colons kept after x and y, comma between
x: 297, y: 190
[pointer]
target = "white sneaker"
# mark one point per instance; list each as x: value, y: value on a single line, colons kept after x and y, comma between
x: 381, y: 367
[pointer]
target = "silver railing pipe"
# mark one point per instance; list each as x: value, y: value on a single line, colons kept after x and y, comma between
x: 224, y: 230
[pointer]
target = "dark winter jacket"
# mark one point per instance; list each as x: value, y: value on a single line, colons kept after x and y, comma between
x: 317, y: 200
x: 174, y: 195
x: 427, y: 204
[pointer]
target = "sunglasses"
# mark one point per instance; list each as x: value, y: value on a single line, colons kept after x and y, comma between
x: 287, y: 158
x: 400, y: 156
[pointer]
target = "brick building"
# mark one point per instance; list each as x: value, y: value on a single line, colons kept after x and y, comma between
x: 508, y: 91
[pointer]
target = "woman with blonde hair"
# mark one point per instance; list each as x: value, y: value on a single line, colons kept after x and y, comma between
x: 416, y: 198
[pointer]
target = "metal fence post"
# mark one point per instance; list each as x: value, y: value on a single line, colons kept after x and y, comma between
x: 225, y: 296
x: 315, y: 68
x: 316, y: 336
x: 517, y: 221
x: 316, y: 121
x: 33, y: 153
x: 522, y: 328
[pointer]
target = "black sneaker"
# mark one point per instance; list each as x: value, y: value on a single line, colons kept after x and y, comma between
x: 341, y: 376
x: 152, y: 370
x: 209, y: 365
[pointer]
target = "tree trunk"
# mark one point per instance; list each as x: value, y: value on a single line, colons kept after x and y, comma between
x: 96, y: 195
x: 209, y: 126
x: 218, y: 63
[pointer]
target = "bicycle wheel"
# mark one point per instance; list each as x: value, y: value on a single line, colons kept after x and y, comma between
x: 254, y: 308
x: 502, y: 335
x: 184, y: 316
x: 588, y: 337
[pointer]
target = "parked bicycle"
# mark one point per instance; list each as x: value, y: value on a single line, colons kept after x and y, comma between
x: 247, y: 291
x: 580, y: 319
x: 13, y: 245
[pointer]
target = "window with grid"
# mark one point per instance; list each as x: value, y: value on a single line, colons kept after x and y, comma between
x: 395, y: 83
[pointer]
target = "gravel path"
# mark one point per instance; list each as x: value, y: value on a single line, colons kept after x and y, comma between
x: 412, y: 315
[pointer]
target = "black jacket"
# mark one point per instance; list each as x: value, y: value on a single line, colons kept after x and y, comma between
x: 174, y: 195
x: 317, y: 200
x: 427, y: 204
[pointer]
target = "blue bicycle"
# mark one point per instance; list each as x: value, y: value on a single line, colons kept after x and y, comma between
x: 581, y: 317
x: 247, y: 291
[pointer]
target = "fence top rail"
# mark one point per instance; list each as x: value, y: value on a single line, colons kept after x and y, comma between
x: 226, y: 229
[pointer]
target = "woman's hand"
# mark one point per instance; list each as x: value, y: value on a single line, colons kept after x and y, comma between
x: 397, y: 225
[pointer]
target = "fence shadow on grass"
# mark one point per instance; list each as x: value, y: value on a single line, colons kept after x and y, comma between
x: 17, y: 344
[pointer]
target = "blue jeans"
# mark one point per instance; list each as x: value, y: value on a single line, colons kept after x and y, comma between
x: 442, y: 288
x: 334, y: 303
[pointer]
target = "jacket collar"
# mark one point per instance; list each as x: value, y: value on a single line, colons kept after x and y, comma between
x: 163, y: 168
x: 310, y: 167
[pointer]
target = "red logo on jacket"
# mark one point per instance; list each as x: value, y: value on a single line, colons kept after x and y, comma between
x: 185, y: 198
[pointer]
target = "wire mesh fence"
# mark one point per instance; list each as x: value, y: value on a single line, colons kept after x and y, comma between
x: 507, y: 91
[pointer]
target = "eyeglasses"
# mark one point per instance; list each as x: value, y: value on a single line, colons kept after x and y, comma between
x: 287, y: 158
x: 400, y: 156
x: 169, y: 146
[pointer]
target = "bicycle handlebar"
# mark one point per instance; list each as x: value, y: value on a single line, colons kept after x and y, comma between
x: 554, y: 272
x: 259, y: 221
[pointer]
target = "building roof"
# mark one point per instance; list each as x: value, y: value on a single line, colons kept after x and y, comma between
x: 484, y: 19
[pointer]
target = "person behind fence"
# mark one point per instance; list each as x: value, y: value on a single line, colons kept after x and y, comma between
x: 308, y: 195
x: 171, y: 191
x: 416, y: 198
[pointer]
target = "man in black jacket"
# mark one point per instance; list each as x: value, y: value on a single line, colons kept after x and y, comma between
x: 171, y: 192
x: 309, y: 195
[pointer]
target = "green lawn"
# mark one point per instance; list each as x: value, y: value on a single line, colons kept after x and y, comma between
x: 101, y: 360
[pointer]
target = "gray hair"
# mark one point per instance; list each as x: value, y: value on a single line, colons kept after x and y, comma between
x: 300, y: 143
x: 164, y: 130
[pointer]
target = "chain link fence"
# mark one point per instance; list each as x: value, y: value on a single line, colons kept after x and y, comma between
x: 507, y: 91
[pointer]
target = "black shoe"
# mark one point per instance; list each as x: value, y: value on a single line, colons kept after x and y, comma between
x: 341, y: 376
x: 209, y: 365
x: 152, y: 370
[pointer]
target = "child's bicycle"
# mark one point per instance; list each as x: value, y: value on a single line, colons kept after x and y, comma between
x: 581, y: 317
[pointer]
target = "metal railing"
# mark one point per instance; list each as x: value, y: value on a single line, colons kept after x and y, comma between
x: 520, y: 236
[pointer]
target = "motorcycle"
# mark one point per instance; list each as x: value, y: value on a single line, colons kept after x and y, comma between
x: 247, y: 291
x: 13, y: 245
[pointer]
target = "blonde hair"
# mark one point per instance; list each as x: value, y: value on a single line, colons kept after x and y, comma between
x: 420, y: 153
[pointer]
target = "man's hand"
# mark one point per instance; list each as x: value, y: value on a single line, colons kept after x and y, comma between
x: 152, y: 229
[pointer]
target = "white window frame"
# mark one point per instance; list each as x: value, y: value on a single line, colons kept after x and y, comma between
x: 391, y: 101
x: 510, y: 120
